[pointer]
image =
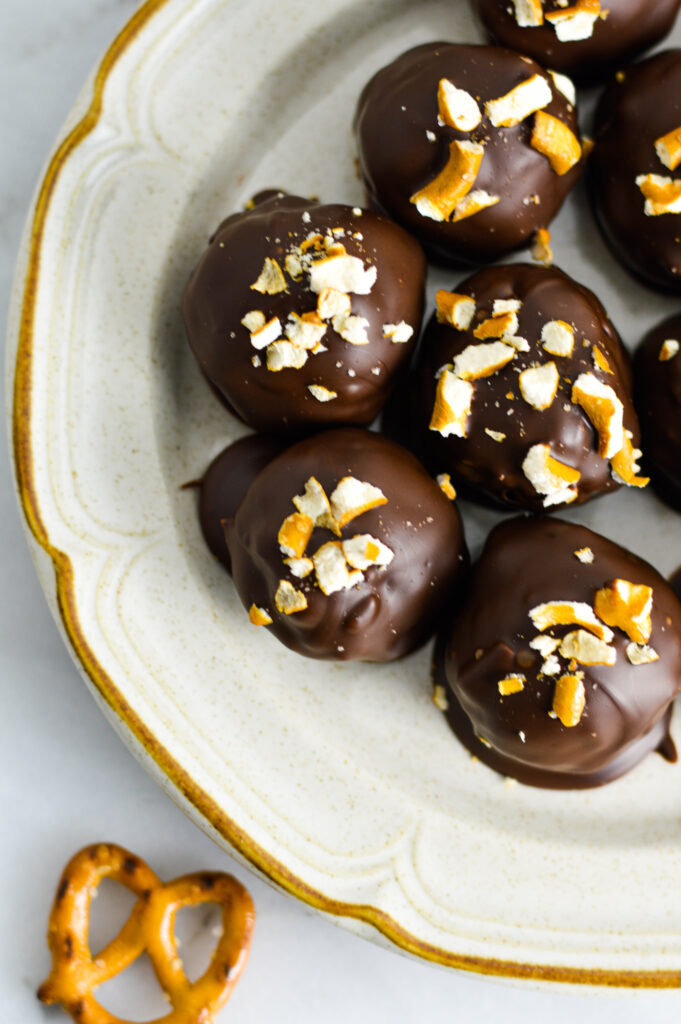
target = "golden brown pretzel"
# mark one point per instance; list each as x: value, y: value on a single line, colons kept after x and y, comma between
x: 151, y: 928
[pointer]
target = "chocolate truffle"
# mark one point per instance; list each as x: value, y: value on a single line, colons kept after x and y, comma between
x: 583, y: 38
x: 300, y: 314
x: 523, y: 390
x: 658, y: 394
x: 345, y: 548
x: 471, y: 148
x: 635, y: 193
x: 561, y: 670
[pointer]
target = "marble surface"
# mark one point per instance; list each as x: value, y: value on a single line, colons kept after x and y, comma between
x: 67, y: 780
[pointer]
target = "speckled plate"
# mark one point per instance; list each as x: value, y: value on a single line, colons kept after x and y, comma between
x: 343, y: 783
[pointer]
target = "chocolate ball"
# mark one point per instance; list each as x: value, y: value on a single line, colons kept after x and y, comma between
x: 523, y: 390
x: 345, y: 548
x: 301, y: 314
x: 587, y: 42
x: 471, y: 148
x: 561, y: 670
x: 658, y: 394
x: 635, y: 192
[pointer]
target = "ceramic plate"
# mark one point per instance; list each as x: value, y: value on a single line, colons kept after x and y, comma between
x: 342, y: 783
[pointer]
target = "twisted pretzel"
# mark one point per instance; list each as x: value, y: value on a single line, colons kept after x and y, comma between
x: 151, y: 928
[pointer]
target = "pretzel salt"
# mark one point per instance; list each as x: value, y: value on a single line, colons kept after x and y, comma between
x: 150, y: 928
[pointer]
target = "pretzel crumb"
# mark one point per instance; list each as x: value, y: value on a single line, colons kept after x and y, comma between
x: 513, y: 683
x: 627, y: 606
x: 293, y: 266
x: 289, y: 600
x: 605, y: 411
x: 499, y: 325
x: 587, y: 649
x: 351, y: 328
x: 456, y: 107
x: 440, y: 698
x: 254, y: 320
x: 528, y: 13
x: 283, y: 355
x: 444, y: 482
x: 474, y: 202
x: 558, y: 338
x: 258, y: 616
x: 343, y: 273
x: 539, y: 385
x: 453, y: 401
x: 300, y: 567
x: 569, y: 699
x: 456, y: 310
x: 294, y: 534
x: 625, y: 468
x: 321, y: 393
x: 267, y: 334
x: 496, y: 435
x: 332, y: 302
x: 541, y: 247
x: 331, y: 569
x: 400, y: 333
x: 353, y: 497
x: 439, y: 198
x: 569, y: 613
x: 573, y: 24
x: 556, y: 141
x: 304, y: 331
x: 477, y: 361
x: 662, y: 195
x: 271, y: 280
x: 549, y: 477
x: 314, y: 503
x: 668, y: 149
x: 565, y: 86
x: 584, y: 555
x: 641, y: 654
x: 362, y: 551
x: 521, y: 101
x: 546, y: 645
x: 600, y: 360
x: 670, y: 348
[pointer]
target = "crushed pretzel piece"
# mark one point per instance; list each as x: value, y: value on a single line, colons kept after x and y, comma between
x: 554, y: 479
x: 669, y: 149
x: 669, y: 349
x: 477, y: 361
x: 541, y: 247
x: 550, y: 666
x: 351, y: 328
x: 305, y: 331
x: 332, y: 302
x: 528, y: 13
x: 283, y: 355
x: 587, y: 649
x: 321, y: 393
x: 258, y: 616
x: 584, y: 555
x: 294, y: 534
x: 254, y: 320
x: 453, y: 401
x: 300, y: 567
x: 496, y: 435
x: 314, y: 503
x: 624, y: 466
x: 627, y: 606
x: 569, y: 613
x: 565, y: 86
x: 271, y: 280
x: 502, y: 306
x: 353, y: 498
x: 444, y: 482
x: 553, y: 139
x: 539, y: 385
x: 558, y: 338
x: 641, y: 654
x: 600, y: 360
x: 362, y: 551
x: 569, y: 699
x: 662, y: 195
x: 343, y: 273
x: 293, y: 266
x: 453, y: 309
x: 400, y: 333
x: 289, y: 600
x: 440, y: 698
x: 474, y: 202
x: 573, y: 24
x: 497, y: 326
x: 513, y: 683
x: 519, y: 344
x: 605, y: 411
x: 331, y: 569
x: 546, y: 645
x: 523, y: 100
x: 439, y: 198
x: 267, y: 334
x: 456, y: 107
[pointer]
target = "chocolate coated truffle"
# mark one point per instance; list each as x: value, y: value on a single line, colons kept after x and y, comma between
x: 301, y: 314
x: 587, y: 40
x: 658, y: 394
x: 523, y: 390
x: 561, y: 670
x: 471, y: 148
x: 345, y: 548
x: 635, y: 192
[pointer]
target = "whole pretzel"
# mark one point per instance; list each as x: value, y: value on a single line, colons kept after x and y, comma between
x: 151, y: 929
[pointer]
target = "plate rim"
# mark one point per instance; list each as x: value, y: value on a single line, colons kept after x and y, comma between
x: 25, y: 291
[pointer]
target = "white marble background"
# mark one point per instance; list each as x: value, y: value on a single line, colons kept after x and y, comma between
x: 66, y: 779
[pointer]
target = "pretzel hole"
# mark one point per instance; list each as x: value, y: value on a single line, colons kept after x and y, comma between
x: 134, y: 994
x: 109, y: 910
x: 197, y: 931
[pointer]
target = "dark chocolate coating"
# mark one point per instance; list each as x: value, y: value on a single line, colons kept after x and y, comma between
x: 658, y: 396
x: 397, y: 108
x: 631, y: 116
x: 526, y: 563
x: 394, y: 609
x: 631, y: 27
x: 492, y: 468
x: 225, y: 483
x: 219, y: 295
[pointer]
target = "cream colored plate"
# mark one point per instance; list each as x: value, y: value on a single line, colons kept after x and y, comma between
x: 342, y: 783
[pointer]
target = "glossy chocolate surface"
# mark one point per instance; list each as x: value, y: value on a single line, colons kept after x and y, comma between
x: 219, y: 295
x: 493, y: 468
x: 526, y: 563
x: 658, y: 396
x: 631, y: 26
x: 393, y: 609
x: 399, y: 105
x: 633, y: 114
